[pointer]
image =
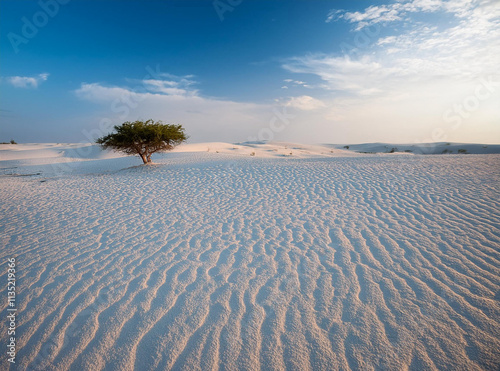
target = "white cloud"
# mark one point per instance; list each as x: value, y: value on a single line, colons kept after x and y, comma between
x: 205, y: 118
x: 175, y: 85
x: 295, y: 83
x: 402, y: 10
x: 333, y: 15
x: 373, y: 14
x: 305, y: 103
x: 464, y: 48
x: 168, y: 87
x: 401, y: 86
x: 26, y: 81
x: 341, y: 73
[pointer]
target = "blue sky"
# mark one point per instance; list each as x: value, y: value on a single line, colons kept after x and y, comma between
x: 230, y: 70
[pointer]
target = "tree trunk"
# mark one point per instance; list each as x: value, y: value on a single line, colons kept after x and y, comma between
x: 144, y: 158
x: 148, y: 157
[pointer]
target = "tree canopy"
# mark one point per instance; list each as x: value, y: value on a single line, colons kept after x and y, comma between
x: 143, y: 138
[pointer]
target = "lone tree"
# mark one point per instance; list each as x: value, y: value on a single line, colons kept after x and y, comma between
x: 143, y: 138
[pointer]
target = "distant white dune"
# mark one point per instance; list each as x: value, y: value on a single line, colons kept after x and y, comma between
x: 251, y: 256
x: 425, y: 148
x: 53, y: 152
x: 41, y: 151
x: 88, y: 151
x: 266, y: 149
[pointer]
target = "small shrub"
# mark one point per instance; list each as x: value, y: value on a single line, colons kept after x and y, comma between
x: 346, y: 147
x: 12, y: 141
x: 461, y: 150
x: 252, y: 154
x: 394, y: 149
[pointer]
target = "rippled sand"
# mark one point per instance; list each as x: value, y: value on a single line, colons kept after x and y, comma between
x: 237, y: 263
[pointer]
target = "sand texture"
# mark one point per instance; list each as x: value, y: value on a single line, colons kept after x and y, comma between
x: 212, y: 261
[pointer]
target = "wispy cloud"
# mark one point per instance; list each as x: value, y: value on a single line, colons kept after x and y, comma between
x: 27, y: 81
x: 402, y: 10
x: 340, y: 73
x: 304, y: 103
x: 333, y: 15
x: 297, y: 83
x: 464, y: 49
x: 175, y: 100
x: 169, y: 84
x: 415, y: 70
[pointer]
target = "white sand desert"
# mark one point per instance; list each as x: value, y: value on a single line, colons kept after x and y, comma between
x: 251, y: 256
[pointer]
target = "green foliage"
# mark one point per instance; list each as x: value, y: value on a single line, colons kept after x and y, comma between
x: 461, y: 150
x: 12, y: 141
x: 346, y: 147
x: 143, y: 138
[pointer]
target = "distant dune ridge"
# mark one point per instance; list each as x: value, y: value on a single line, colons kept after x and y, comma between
x: 88, y: 151
x: 426, y: 148
x: 253, y: 256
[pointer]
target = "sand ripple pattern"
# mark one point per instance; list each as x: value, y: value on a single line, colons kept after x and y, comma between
x: 201, y: 263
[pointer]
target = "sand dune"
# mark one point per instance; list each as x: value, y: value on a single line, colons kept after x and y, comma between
x: 314, y: 261
x: 425, y: 148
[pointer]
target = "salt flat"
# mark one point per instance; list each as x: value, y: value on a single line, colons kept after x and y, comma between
x: 316, y: 260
